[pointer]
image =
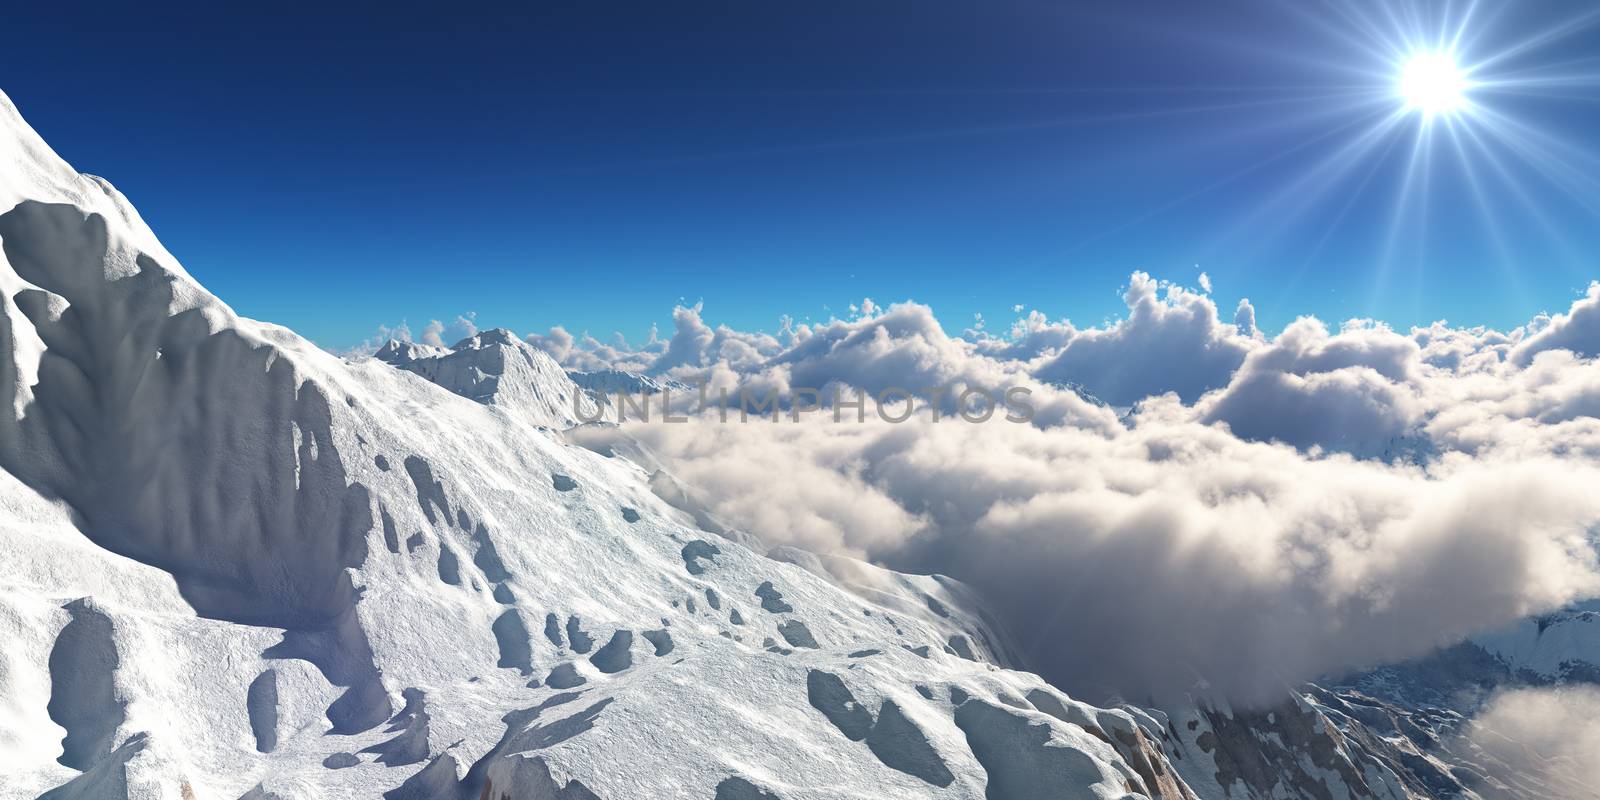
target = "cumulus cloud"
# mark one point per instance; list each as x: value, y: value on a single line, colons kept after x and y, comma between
x: 586, y: 354
x: 903, y: 346
x: 1578, y: 330
x: 690, y: 342
x: 1354, y: 409
x: 1031, y: 336
x: 558, y: 343
x: 1244, y: 319
x: 1306, y: 346
x: 1171, y: 341
x: 435, y: 333
x: 695, y: 348
x: 1542, y: 742
x: 440, y: 334
x: 1354, y: 391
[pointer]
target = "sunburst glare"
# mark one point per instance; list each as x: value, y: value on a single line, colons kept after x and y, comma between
x: 1426, y: 112
x: 1432, y: 83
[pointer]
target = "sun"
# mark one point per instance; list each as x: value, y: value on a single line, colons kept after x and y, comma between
x: 1432, y: 84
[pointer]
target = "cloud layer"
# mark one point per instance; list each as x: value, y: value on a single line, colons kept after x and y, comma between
x: 1195, y: 503
x: 1548, y: 738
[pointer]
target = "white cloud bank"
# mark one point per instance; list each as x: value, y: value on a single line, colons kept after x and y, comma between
x: 1251, y: 511
x: 1136, y: 561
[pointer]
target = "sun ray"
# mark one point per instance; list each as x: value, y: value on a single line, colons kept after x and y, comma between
x: 1210, y: 187
x: 1544, y: 37
x: 1465, y: 24
x: 1486, y: 216
x: 1519, y: 193
x: 1317, y: 180
x: 1464, y: 84
x: 1400, y: 212
x: 1312, y: 253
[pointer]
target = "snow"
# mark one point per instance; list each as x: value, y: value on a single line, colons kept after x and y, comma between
x: 236, y: 565
x: 1553, y: 646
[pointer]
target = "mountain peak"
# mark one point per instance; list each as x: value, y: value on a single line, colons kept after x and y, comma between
x: 496, y: 368
x: 493, y: 336
x: 398, y: 352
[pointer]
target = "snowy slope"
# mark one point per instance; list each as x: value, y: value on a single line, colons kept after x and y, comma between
x: 235, y: 565
x: 1562, y: 646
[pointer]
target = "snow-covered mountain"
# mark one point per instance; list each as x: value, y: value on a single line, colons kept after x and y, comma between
x: 1560, y: 647
x: 496, y: 368
x: 238, y: 566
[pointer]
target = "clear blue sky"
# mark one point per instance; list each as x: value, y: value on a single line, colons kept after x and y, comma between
x: 591, y: 164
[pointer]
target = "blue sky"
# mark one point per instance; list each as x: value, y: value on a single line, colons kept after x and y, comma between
x: 591, y: 164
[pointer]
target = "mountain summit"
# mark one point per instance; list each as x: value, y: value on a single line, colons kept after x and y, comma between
x: 496, y: 368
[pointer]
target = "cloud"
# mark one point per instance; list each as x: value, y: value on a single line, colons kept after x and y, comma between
x: 441, y: 335
x: 558, y: 343
x: 587, y: 354
x: 1306, y: 347
x: 435, y: 333
x: 1353, y: 391
x: 903, y: 346
x: 695, y: 347
x: 1577, y: 330
x: 1031, y: 336
x: 1244, y: 319
x: 690, y: 342
x: 1544, y: 738
x: 1270, y: 510
x: 1462, y: 350
x: 1171, y: 341
x: 1134, y: 562
x: 384, y: 334
x: 1354, y: 409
